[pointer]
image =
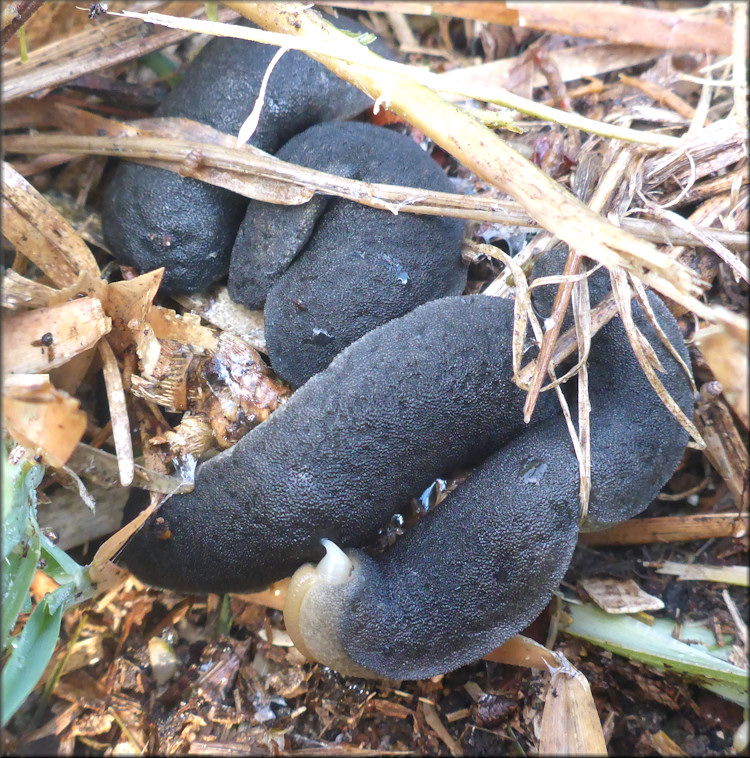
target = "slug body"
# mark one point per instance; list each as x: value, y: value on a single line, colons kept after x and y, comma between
x: 152, y: 217
x: 333, y: 269
x: 414, y: 399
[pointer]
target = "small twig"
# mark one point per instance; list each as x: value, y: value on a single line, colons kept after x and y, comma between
x: 660, y: 95
x: 645, y: 531
x: 15, y: 15
x: 118, y: 413
x: 705, y: 238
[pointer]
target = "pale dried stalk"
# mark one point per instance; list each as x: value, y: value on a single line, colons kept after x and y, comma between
x: 269, y: 179
x: 645, y: 353
x: 118, y: 413
x: 40, y: 233
x: 619, y: 23
x: 393, y: 71
x: 715, y: 147
x: 737, y: 266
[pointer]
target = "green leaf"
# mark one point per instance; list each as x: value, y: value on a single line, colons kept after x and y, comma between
x: 31, y: 652
x: 654, y: 646
x: 212, y: 11
x: 18, y: 572
x: 20, y: 481
x: 364, y: 38
x: 60, y: 566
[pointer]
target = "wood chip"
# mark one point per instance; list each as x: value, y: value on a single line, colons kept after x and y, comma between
x: 620, y: 595
x: 185, y: 329
x: 702, y: 573
x: 74, y: 524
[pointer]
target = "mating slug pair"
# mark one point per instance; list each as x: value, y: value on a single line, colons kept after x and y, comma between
x: 416, y: 390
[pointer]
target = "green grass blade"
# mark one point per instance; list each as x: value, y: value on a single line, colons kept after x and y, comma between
x: 654, y: 646
x: 31, y: 652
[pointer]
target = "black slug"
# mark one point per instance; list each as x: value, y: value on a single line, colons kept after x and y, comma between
x: 152, y: 217
x: 414, y: 399
x: 352, y: 267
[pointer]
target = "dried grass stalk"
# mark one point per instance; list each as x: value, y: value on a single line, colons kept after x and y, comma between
x: 612, y: 23
x: 107, y: 43
x: 40, y: 233
x: 118, y: 413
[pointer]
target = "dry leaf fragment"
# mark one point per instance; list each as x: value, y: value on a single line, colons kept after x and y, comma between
x: 128, y: 304
x: 42, y: 418
x: 726, y: 352
x: 570, y: 722
x: 620, y: 595
x: 39, y: 340
x: 185, y: 329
